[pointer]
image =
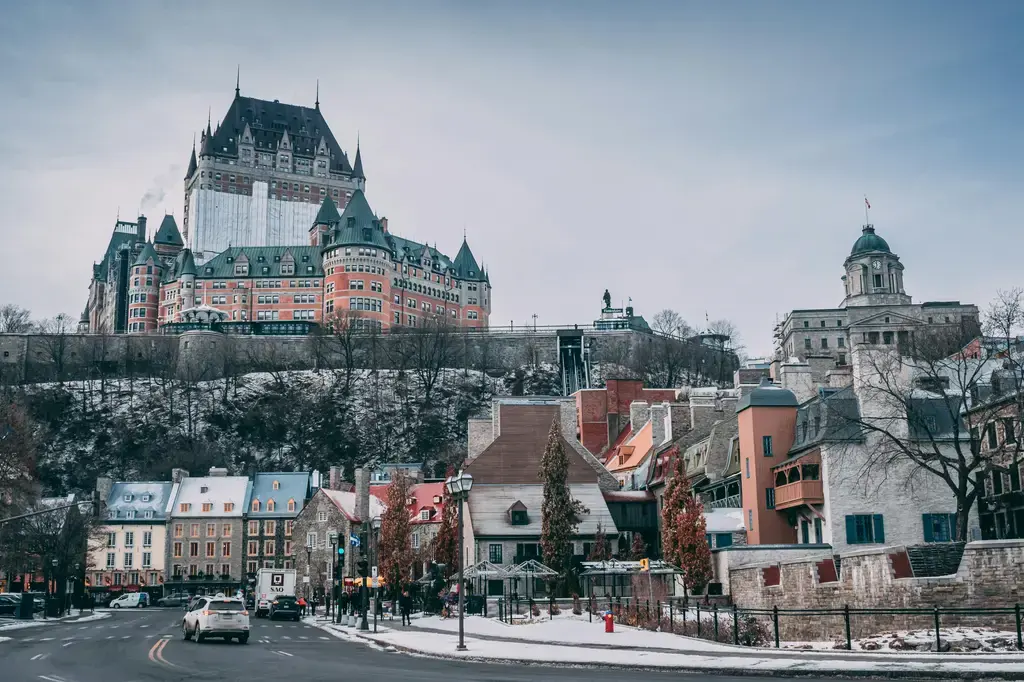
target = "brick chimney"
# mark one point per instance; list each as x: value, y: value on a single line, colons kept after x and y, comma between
x: 363, y: 494
x: 334, y: 479
x: 661, y: 423
x: 141, y: 230
x: 639, y: 413
x: 384, y: 224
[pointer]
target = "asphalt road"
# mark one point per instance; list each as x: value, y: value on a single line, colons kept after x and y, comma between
x: 145, y: 645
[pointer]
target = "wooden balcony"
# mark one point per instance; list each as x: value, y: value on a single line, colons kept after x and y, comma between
x: 799, y: 493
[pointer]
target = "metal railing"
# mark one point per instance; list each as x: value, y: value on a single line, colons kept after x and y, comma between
x: 730, y: 502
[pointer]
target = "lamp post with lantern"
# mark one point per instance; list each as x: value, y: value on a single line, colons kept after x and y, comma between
x: 458, y: 487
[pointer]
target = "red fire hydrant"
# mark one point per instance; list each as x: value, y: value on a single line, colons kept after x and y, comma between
x: 609, y: 622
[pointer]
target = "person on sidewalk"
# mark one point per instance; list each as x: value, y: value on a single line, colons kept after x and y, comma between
x: 302, y: 606
x: 312, y: 606
x: 405, y: 606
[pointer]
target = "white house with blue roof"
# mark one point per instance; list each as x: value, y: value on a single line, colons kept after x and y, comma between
x: 274, y: 500
x: 128, y: 553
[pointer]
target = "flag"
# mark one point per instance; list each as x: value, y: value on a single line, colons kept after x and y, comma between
x: 866, y: 202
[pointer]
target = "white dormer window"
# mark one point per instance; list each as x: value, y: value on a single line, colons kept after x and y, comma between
x: 147, y: 497
x: 128, y: 497
x: 411, y: 500
x: 437, y: 499
x: 148, y: 515
x: 130, y: 514
x: 424, y: 515
x: 112, y: 514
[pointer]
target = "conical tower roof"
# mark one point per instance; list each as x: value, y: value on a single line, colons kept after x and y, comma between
x: 148, y: 252
x: 357, y: 167
x: 168, y: 233
x: 328, y: 213
x: 188, y: 265
x: 192, y: 165
x: 465, y: 264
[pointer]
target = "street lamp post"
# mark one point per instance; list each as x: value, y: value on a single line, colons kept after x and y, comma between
x: 309, y: 559
x: 458, y: 487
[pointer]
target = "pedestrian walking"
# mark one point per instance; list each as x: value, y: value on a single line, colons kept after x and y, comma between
x: 405, y: 606
x: 312, y: 606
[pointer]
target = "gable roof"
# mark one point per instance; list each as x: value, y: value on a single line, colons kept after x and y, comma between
x: 168, y: 232
x: 632, y: 453
x: 269, y: 122
x: 422, y: 495
x: 514, y: 456
x: 291, y: 486
x: 346, y: 503
x: 144, y: 497
x: 216, y: 490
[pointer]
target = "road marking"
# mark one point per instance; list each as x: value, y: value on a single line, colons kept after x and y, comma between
x: 126, y: 637
x: 303, y: 637
x: 148, y: 637
x: 144, y: 626
x: 29, y: 639
x: 277, y: 626
x: 84, y: 627
x: 46, y: 639
x: 110, y: 637
x: 66, y: 639
x: 52, y: 679
x: 284, y: 653
x: 156, y: 653
x: 67, y: 644
x: 39, y: 657
x: 325, y: 638
x: 285, y: 637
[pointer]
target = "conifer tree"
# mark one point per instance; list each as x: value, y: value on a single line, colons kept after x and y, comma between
x: 560, y: 512
x: 600, y: 550
x: 446, y: 543
x: 638, y: 548
x: 683, y: 530
x: 395, y: 548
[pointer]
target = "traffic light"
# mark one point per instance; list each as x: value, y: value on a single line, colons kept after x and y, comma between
x: 363, y: 566
x: 341, y: 552
x: 645, y: 564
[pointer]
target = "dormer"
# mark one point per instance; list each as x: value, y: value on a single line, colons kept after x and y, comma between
x: 241, y: 265
x: 284, y: 153
x: 204, y: 489
x: 128, y: 497
x: 517, y: 515
x: 437, y: 499
x: 245, y: 145
x: 425, y: 514
x: 255, y: 506
x: 410, y: 501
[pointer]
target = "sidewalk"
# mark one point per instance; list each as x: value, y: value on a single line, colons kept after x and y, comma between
x: 576, y: 642
x: 6, y: 625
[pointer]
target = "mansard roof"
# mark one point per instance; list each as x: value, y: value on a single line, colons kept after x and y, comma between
x: 125, y: 234
x: 264, y: 261
x: 268, y: 122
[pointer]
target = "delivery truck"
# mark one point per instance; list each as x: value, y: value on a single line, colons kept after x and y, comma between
x: 272, y: 583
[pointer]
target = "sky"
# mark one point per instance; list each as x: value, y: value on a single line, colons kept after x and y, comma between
x: 708, y: 157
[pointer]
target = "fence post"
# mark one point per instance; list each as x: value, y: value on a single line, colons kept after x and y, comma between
x: 775, y: 621
x: 1016, y: 617
x: 685, y: 611
x: 658, y: 607
x: 647, y: 610
x: 735, y: 625
x: 846, y: 622
x: 672, y: 619
x: 715, y: 610
x: 698, y: 619
x: 938, y: 637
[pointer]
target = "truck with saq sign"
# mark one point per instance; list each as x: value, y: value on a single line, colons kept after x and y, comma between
x: 272, y: 583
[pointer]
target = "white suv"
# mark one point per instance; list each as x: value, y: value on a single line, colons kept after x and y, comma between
x: 218, y: 616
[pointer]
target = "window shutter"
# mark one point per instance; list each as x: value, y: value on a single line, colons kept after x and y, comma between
x: 952, y: 527
x: 851, y: 531
x: 879, y: 528
x: 926, y: 521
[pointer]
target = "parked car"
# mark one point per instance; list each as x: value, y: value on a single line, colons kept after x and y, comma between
x: 284, y: 607
x: 130, y: 600
x: 178, y: 599
x: 9, y: 605
x: 217, y: 616
x: 37, y: 603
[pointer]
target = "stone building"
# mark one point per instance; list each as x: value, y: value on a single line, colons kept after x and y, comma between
x: 204, y: 550
x: 128, y: 551
x: 275, y: 501
x: 876, y: 309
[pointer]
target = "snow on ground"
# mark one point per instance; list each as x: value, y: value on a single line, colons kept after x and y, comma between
x: 22, y: 624
x: 960, y: 639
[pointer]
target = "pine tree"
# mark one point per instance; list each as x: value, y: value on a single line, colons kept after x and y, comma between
x: 638, y: 548
x: 446, y: 543
x: 683, y: 529
x: 395, y: 549
x: 600, y: 550
x: 560, y: 512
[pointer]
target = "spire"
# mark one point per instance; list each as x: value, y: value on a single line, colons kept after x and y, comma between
x: 209, y: 117
x: 238, y: 79
x: 188, y: 264
x: 192, y: 165
x: 357, y: 167
x: 317, y: 103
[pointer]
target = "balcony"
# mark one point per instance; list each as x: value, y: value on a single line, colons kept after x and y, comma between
x: 799, y: 493
x: 730, y: 502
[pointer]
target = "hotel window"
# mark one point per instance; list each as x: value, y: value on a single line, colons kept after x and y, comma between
x: 208, y: 569
x: 269, y: 527
x: 291, y: 505
x: 207, y: 506
x: 211, y: 549
x: 229, y: 506
x: 184, y: 507
x: 270, y: 505
x: 254, y: 528
x: 111, y: 539
x: 250, y: 566
x: 129, y: 558
x: 288, y: 547
x: 226, y: 530
x: 276, y: 485
x: 288, y: 527
x: 147, y: 559
x: 225, y: 569
x: 111, y: 558
x: 193, y: 569
x: 255, y: 505
x: 225, y: 549
x: 129, y: 539
x: 194, y: 530
x: 193, y: 549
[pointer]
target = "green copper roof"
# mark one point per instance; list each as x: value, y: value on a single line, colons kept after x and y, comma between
x: 328, y: 213
x: 264, y: 261
x: 148, y: 252
x: 168, y: 233
x: 869, y: 242
x: 358, y: 226
x: 465, y: 264
x: 767, y: 395
x: 188, y: 263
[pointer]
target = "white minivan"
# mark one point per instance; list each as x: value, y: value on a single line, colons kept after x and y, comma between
x: 130, y: 600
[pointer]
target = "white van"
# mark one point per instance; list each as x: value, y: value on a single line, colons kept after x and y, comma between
x: 130, y: 600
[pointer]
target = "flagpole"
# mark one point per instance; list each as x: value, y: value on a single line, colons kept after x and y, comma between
x: 867, y: 207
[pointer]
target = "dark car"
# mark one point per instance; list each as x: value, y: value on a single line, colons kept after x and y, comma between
x: 284, y: 607
x: 9, y: 605
x: 173, y: 600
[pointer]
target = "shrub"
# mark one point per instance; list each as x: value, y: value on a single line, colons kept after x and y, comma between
x: 535, y: 610
x: 553, y: 609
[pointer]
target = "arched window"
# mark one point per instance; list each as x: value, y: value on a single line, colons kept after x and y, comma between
x: 291, y: 505
x: 255, y: 505
x: 794, y: 474
x: 780, y: 479
x: 277, y: 485
x: 270, y: 505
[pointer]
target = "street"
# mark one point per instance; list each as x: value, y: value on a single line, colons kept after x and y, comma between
x: 146, y: 646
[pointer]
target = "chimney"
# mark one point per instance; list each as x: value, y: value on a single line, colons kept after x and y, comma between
x: 705, y: 409
x: 141, y: 230
x: 334, y: 478
x: 384, y: 224
x: 177, y: 475
x: 218, y: 472
x: 639, y: 413
x: 661, y: 423
x: 363, y: 494
x: 103, y: 488
x: 797, y: 377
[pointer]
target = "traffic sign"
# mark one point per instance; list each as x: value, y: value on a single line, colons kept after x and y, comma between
x: 645, y: 564
x: 354, y: 540
x: 373, y: 572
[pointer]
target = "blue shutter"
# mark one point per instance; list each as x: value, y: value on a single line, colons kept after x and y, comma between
x: 926, y: 522
x: 851, y: 530
x: 879, y: 528
x: 952, y: 527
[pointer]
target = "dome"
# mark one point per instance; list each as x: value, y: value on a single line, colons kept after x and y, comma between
x: 869, y: 241
x: 768, y: 394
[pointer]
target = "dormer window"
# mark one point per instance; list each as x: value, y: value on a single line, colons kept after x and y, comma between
x: 270, y: 505
x: 410, y: 500
x: 147, y: 515
x: 517, y: 515
x: 255, y: 505
x: 147, y: 497
x: 130, y: 514
x: 437, y: 499
x: 276, y: 485
x: 291, y: 505
x: 424, y: 515
x: 112, y: 514
x: 128, y: 497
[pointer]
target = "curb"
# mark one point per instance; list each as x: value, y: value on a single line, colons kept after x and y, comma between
x: 698, y: 670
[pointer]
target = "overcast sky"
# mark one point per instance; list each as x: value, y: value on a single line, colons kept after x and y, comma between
x: 709, y: 157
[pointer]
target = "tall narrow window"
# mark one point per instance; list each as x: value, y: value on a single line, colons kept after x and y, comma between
x: 766, y: 444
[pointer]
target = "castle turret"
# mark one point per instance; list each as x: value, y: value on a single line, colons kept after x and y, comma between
x: 144, y: 291
x: 187, y: 280
x: 167, y: 241
x: 326, y: 218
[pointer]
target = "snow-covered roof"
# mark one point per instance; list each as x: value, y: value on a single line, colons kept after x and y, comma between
x: 346, y: 502
x: 217, y: 491
x: 149, y: 500
x: 489, y: 505
x: 724, y: 520
x: 290, y: 485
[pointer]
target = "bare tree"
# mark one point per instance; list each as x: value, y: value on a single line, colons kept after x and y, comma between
x: 14, y: 319
x: 55, y: 334
x: 925, y: 405
x: 671, y: 323
x: 347, y: 330
x: 429, y: 351
x: 18, y: 449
